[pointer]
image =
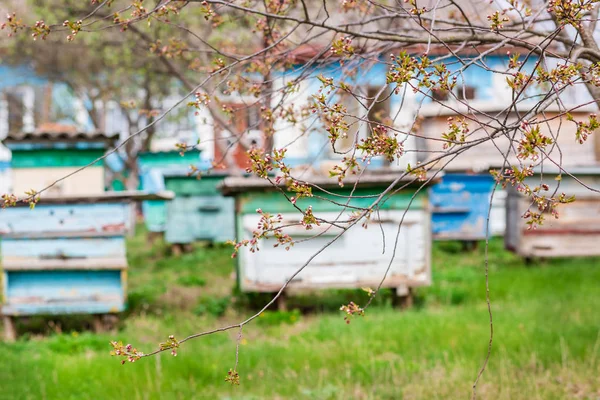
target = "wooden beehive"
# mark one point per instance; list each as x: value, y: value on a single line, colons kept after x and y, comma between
x: 460, y: 207
x: 153, y: 167
x: 40, y: 159
x: 577, y: 230
x: 199, y: 211
x: 359, y: 258
x: 66, y: 256
x: 467, y: 221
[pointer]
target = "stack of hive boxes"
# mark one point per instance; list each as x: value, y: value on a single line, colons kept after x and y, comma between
x: 67, y: 255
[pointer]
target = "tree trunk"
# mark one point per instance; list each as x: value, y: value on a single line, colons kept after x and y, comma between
x: 269, y: 139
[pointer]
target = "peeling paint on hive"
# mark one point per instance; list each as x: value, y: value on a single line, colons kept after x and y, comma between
x: 460, y: 207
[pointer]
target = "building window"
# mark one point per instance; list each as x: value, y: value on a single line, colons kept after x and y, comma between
x: 465, y: 92
x: 461, y: 93
x: 354, y: 111
x: 243, y: 123
x: 379, y: 111
x: 379, y: 104
x: 440, y: 95
x: 253, y: 117
x: 16, y: 110
x: 244, y: 117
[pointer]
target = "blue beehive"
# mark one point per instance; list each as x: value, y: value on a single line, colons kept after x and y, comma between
x: 153, y: 167
x: 66, y: 256
x: 199, y: 211
x: 460, y: 206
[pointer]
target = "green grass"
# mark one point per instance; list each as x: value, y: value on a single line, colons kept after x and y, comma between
x: 546, y: 340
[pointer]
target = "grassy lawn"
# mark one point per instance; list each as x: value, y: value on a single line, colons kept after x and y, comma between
x: 546, y: 341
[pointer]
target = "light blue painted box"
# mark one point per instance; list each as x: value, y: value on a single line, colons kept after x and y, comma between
x: 460, y: 205
x: 67, y: 255
x: 153, y: 167
x: 199, y: 211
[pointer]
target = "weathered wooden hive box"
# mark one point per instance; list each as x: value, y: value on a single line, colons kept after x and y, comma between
x: 153, y: 166
x: 67, y: 255
x: 461, y: 200
x: 577, y: 230
x: 40, y: 159
x: 199, y: 211
x: 359, y: 258
x: 460, y: 205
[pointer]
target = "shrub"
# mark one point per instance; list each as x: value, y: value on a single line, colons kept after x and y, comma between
x: 191, y: 280
x: 215, y: 306
x: 270, y: 318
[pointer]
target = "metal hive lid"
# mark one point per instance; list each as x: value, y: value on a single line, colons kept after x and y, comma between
x: 233, y: 185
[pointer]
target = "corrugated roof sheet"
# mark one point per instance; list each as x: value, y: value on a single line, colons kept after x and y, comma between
x: 53, y: 136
